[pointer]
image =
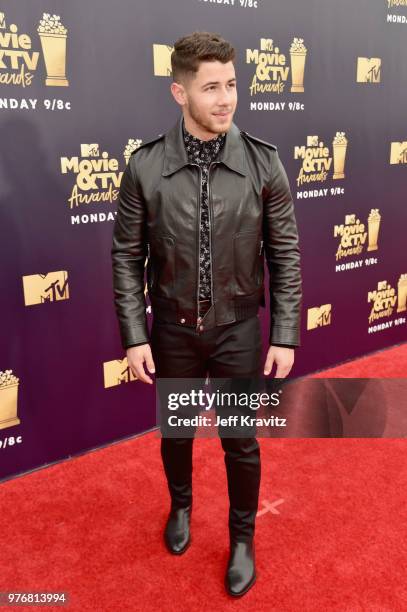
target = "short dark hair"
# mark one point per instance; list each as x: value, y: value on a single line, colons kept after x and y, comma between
x: 197, y: 47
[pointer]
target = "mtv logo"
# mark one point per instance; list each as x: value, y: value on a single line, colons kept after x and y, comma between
x: 40, y: 288
x: 2, y: 21
x: 266, y: 44
x: 398, y: 153
x: 312, y: 141
x: 350, y: 219
x: 89, y: 150
x: 382, y: 285
x: 368, y: 70
x: 319, y: 316
x: 162, y: 60
x: 116, y: 372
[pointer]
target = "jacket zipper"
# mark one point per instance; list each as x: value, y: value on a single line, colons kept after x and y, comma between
x: 199, y: 234
x: 211, y: 226
x: 199, y: 241
x: 261, y: 246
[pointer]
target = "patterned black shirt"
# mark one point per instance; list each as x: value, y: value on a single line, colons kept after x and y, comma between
x: 203, y: 152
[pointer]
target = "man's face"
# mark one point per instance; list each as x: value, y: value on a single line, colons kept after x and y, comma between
x: 209, y: 100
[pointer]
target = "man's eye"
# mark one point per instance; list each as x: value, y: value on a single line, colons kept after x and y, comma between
x: 213, y: 86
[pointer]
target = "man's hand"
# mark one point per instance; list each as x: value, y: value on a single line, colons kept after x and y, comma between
x: 136, y: 356
x: 284, y: 358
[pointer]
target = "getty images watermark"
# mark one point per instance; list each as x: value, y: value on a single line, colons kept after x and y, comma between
x: 208, y: 401
x: 230, y: 407
x: 304, y: 407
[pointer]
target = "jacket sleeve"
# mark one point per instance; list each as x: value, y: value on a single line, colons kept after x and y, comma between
x: 281, y: 248
x: 128, y: 260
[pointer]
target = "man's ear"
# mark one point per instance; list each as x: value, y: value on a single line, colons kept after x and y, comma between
x: 178, y: 93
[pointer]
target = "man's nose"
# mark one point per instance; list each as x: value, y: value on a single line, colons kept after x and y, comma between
x: 226, y: 97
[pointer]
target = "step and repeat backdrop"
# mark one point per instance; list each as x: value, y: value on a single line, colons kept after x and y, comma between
x: 82, y: 84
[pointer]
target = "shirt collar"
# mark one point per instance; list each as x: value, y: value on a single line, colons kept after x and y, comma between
x: 232, y: 154
x: 203, y: 145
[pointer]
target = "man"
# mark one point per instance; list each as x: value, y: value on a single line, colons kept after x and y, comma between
x: 206, y: 202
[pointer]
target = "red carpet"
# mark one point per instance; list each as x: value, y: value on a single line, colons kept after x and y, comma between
x: 331, y: 535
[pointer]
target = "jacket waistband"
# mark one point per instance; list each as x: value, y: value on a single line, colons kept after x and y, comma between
x: 238, y: 308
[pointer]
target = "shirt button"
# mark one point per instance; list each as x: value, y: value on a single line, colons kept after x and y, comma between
x: 182, y: 320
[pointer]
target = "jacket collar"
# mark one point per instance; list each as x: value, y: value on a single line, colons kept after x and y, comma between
x: 232, y: 153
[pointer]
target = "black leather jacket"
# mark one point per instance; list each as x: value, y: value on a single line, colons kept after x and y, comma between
x: 251, y: 217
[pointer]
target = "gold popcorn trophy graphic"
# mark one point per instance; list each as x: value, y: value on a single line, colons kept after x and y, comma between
x: 131, y: 146
x: 402, y: 293
x: 53, y: 42
x: 298, y: 53
x: 373, y: 222
x: 339, y: 143
x: 8, y: 399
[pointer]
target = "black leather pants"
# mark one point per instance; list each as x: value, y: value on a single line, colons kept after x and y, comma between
x: 231, y: 350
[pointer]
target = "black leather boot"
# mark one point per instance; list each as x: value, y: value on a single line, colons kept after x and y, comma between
x: 177, y: 530
x: 241, y: 571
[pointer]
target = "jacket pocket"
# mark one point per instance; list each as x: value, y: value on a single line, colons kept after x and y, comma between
x: 161, y: 264
x: 248, y: 261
